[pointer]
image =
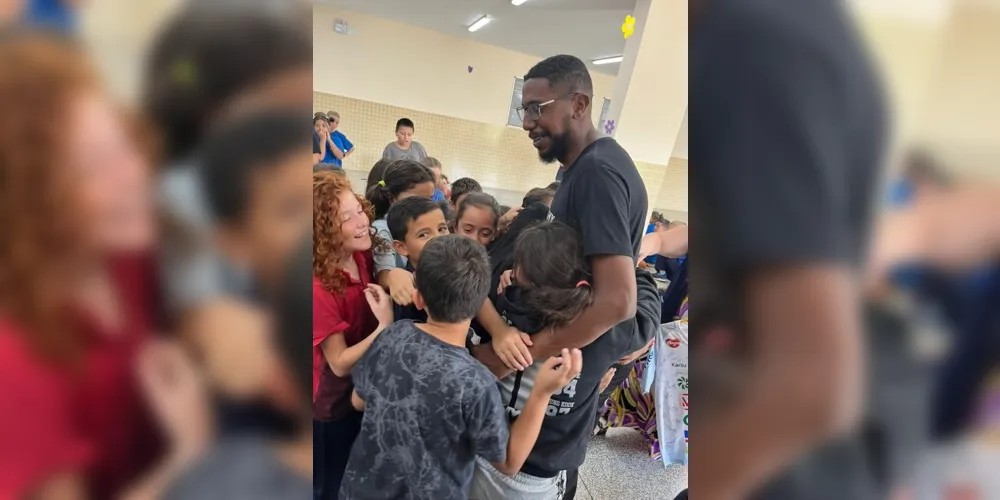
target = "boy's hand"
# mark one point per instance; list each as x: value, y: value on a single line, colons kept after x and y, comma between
x: 557, y: 371
x: 380, y: 303
x: 401, y: 287
x: 505, y: 281
x: 511, y: 347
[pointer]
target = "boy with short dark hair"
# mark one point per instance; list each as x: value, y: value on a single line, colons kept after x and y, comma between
x: 430, y: 408
x: 538, y: 195
x: 462, y: 188
x: 259, y: 196
x: 413, y: 222
x: 404, y: 148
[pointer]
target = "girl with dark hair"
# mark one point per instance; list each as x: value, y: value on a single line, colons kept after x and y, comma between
x: 399, y: 179
x: 551, y: 289
x: 477, y: 218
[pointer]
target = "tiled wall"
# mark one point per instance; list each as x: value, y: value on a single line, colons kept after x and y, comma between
x: 500, y: 158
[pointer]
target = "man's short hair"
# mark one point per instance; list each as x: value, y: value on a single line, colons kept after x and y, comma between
x: 563, y: 71
x: 453, y: 278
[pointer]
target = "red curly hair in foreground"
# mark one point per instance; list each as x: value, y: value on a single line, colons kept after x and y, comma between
x: 40, y: 229
x: 327, y: 238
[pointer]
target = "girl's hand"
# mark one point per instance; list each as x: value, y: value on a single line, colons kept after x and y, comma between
x: 380, y: 303
x: 400, y: 282
x: 177, y: 394
x: 505, y: 281
x: 511, y: 346
x: 558, y: 371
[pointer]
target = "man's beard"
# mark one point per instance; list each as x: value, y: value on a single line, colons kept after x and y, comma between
x: 558, y: 144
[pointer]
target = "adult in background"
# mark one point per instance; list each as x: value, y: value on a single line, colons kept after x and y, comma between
x: 556, y: 107
x: 340, y: 146
x: 404, y: 148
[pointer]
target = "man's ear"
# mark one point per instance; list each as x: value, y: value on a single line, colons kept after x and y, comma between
x: 581, y: 104
x: 400, y: 248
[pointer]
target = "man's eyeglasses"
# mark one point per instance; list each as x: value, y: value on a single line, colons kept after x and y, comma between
x: 534, y: 110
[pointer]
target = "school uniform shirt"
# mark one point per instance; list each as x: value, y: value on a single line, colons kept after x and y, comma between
x: 430, y: 409
x: 569, y: 418
x: 51, y: 14
x: 388, y: 259
x: 415, y: 152
x: 346, y: 314
x: 340, y: 142
x: 92, y: 420
x: 410, y: 312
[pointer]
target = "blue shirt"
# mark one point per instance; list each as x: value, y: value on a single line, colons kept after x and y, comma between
x: 438, y: 195
x: 51, y: 14
x: 341, y: 142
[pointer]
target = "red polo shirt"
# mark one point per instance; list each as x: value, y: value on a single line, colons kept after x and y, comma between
x: 92, y: 421
x: 344, y: 314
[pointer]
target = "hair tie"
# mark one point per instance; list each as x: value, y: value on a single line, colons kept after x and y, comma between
x: 583, y: 283
x: 381, y: 183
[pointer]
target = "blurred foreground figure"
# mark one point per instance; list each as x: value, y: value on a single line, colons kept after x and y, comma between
x: 75, y: 289
x: 787, y: 132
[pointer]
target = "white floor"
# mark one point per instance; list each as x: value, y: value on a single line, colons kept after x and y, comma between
x: 618, y: 466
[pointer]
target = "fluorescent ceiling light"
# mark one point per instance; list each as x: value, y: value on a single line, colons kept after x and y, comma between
x: 517, y: 2
x: 608, y: 60
x: 482, y: 21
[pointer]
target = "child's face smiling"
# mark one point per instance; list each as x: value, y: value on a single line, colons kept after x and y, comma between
x: 477, y: 223
x: 354, y: 225
x: 420, y: 231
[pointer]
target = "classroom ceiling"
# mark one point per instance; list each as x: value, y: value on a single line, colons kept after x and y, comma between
x: 588, y: 29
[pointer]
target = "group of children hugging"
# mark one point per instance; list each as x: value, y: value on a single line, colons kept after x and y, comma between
x: 405, y: 290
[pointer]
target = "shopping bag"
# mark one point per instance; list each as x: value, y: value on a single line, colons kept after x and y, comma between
x: 671, y: 391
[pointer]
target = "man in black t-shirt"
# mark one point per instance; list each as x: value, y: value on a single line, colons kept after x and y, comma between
x: 601, y: 195
x: 787, y: 134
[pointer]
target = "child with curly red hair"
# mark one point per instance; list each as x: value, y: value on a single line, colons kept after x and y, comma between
x: 349, y: 311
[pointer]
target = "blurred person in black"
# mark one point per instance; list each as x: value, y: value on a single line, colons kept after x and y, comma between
x: 788, y: 127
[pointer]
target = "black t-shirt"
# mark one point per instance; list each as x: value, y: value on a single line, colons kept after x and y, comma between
x: 603, y: 197
x: 787, y: 134
x: 316, y: 148
x: 569, y: 418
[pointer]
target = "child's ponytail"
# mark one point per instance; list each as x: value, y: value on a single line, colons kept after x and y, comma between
x: 397, y: 177
x: 553, y: 273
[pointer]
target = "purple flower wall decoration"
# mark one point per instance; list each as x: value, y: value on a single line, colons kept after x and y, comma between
x: 609, y: 127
